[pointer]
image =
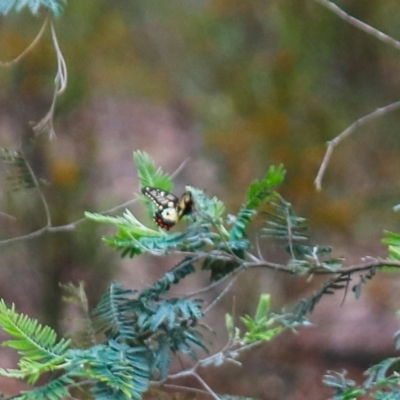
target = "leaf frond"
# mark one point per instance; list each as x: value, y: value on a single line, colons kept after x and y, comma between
x: 56, y: 389
x: 56, y: 7
x: 149, y: 175
x: 258, y: 193
x: 172, y: 277
x: 120, y: 371
x: 197, y: 236
x: 36, y: 344
x: 113, y: 313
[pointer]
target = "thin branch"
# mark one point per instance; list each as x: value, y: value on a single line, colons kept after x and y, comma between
x: 179, y: 387
x: 366, y: 265
x: 223, y: 293
x: 289, y: 232
x: 180, y: 168
x: 347, y: 132
x: 204, y: 384
x: 378, y: 112
x: 360, y: 24
x: 214, y: 284
x: 45, y: 207
x: 29, y: 48
x: 71, y: 226
x: 31, y: 235
x: 373, y: 263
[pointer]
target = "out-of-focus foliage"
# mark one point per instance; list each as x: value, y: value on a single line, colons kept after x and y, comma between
x: 20, y: 175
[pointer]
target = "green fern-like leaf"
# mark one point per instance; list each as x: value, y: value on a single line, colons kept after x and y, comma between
x: 210, y: 208
x: 36, y: 344
x: 241, y: 222
x: 258, y: 193
x: 149, y: 175
x: 120, y: 371
x: 128, y: 224
x: 174, y: 276
x: 54, y: 390
x: 392, y: 239
x: 307, y: 305
x: 163, y: 360
x: 195, y: 237
x: 282, y: 223
x: 54, y: 6
x: 174, y: 311
x: 113, y: 315
x: 263, y: 327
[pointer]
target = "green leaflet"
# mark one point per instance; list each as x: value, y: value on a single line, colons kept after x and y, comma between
x: 114, y: 313
x: 120, y: 371
x: 258, y: 193
x: 392, y: 240
x: 56, y: 7
x: 37, y: 345
x: 54, y: 390
x: 148, y: 174
x: 160, y: 325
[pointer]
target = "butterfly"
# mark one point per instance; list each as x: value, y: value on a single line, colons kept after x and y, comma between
x: 169, y: 208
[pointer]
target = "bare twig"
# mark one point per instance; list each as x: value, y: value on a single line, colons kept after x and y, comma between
x: 222, y: 294
x: 180, y: 168
x: 378, y: 112
x: 365, y: 266
x: 347, y: 132
x: 71, y: 226
x: 179, y: 387
x: 29, y: 48
x: 45, y: 207
x: 214, y: 284
x: 204, y: 384
x: 360, y: 24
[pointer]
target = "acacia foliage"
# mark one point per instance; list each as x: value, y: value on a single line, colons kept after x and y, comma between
x: 56, y: 7
x: 138, y: 333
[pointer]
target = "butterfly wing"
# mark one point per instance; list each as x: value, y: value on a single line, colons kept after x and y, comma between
x: 166, y: 214
x: 185, y: 204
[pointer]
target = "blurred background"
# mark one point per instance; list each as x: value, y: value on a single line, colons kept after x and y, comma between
x: 232, y: 87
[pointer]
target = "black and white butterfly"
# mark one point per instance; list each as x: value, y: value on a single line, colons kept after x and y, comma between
x: 169, y: 208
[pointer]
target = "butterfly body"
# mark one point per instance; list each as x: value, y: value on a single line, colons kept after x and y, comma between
x: 169, y: 208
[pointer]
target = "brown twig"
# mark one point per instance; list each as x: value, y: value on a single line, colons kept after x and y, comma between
x: 365, y: 266
x: 375, y: 114
x: 360, y: 24
x: 347, y: 132
x: 178, y: 387
x: 29, y: 48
